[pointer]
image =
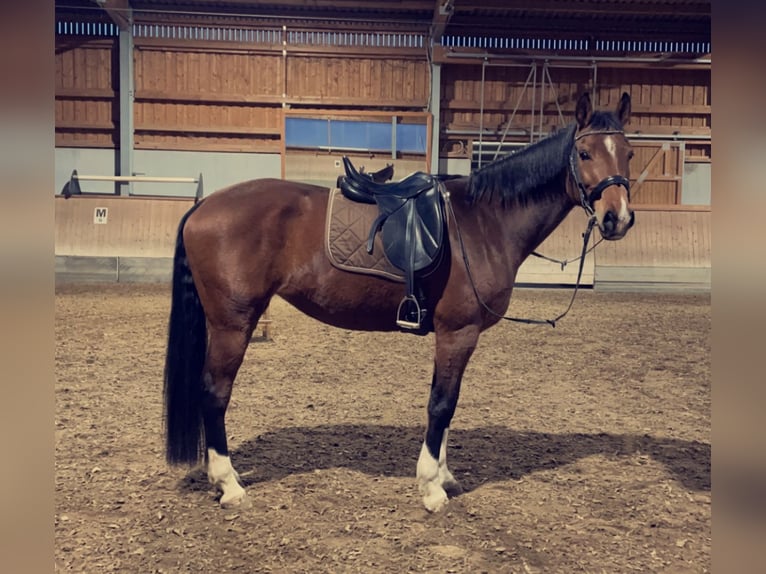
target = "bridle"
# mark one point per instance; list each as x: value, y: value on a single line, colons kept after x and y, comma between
x: 588, y: 200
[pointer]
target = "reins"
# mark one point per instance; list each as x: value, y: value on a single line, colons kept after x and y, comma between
x: 551, y: 322
x: 566, y: 262
x: 587, y: 204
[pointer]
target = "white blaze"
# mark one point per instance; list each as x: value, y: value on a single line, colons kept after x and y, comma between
x: 623, y: 215
x: 610, y: 142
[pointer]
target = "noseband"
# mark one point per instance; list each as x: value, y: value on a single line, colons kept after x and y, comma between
x: 588, y: 200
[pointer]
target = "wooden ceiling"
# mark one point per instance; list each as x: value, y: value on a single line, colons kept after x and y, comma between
x: 666, y: 20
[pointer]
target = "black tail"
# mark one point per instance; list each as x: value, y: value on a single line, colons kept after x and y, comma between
x: 184, y: 361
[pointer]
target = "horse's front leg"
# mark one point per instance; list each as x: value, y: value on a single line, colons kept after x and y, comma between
x: 453, y: 350
x: 225, y: 353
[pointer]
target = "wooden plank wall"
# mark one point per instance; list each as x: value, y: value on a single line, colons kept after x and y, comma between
x: 207, y: 100
x: 667, y: 247
x: 660, y: 164
x: 358, y: 82
x: 214, y: 97
x: 664, y: 100
x: 229, y: 96
x: 564, y: 244
x: 136, y: 227
x: 678, y: 236
x: 86, y: 83
x: 232, y: 96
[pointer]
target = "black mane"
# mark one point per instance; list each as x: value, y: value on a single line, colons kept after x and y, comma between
x: 517, y: 177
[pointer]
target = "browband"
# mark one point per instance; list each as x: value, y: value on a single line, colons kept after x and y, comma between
x: 597, y: 132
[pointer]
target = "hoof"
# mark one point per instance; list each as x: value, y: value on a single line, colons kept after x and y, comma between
x: 240, y: 501
x: 435, y: 501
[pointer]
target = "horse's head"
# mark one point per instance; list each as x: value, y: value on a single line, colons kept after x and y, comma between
x: 600, y: 166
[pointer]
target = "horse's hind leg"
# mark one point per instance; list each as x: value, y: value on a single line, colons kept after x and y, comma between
x: 226, y: 349
x: 453, y: 350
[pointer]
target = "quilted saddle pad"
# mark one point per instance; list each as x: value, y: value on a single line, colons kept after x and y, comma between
x: 347, y: 227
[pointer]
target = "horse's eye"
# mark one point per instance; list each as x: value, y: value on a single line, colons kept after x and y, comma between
x: 631, y: 153
x: 584, y: 155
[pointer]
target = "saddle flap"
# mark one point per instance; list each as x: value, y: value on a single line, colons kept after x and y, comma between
x: 413, y: 231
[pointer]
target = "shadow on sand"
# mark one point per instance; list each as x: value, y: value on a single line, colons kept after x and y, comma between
x: 477, y: 456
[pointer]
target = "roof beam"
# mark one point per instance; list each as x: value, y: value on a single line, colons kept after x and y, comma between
x: 119, y: 11
x: 613, y: 7
x: 442, y: 13
x: 603, y: 27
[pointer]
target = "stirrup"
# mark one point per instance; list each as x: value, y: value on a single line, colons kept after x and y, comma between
x: 401, y: 318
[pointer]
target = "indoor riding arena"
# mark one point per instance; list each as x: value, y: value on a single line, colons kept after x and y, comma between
x: 581, y: 442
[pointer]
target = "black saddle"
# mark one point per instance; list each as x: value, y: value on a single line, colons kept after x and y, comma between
x: 411, y: 223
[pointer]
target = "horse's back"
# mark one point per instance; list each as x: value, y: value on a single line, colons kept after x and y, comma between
x: 259, y: 225
x: 262, y: 206
x: 257, y: 195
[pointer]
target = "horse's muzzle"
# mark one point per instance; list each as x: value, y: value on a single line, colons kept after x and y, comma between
x: 613, y: 227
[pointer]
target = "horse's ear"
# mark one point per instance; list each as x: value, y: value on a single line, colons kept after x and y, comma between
x: 623, y: 108
x: 583, y: 111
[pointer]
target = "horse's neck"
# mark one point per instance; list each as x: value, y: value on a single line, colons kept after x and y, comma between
x: 526, y: 227
x: 541, y: 220
x: 519, y: 229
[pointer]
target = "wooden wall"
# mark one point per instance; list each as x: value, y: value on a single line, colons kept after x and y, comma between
x: 521, y: 102
x: 358, y: 82
x: 207, y: 100
x: 214, y: 97
x: 667, y: 248
x: 236, y: 92
x: 656, y: 172
x: 564, y: 244
x: 232, y: 96
x: 664, y: 100
x: 675, y: 236
x: 86, y: 84
x: 135, y: 227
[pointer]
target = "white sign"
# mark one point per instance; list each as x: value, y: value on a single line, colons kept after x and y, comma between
x: 100, y: 214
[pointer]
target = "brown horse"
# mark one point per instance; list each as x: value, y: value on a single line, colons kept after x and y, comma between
x: 242, y: 245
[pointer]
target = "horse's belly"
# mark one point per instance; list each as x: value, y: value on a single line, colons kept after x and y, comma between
x: 349, y: 301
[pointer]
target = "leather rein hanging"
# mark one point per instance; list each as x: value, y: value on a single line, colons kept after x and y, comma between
x: 586, y: 200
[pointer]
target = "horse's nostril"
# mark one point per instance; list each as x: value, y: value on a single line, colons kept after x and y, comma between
x: 610, y: 219
x: 632, y: 218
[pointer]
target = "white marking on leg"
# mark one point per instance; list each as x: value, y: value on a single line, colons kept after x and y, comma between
x: 446, y: 479
x: 429, y: 483
x: 434, y: 476
x: 221, y: 473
